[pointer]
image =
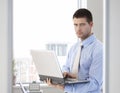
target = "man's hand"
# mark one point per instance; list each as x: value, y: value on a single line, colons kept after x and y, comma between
x: 49, y: 82
x: 69, y: 75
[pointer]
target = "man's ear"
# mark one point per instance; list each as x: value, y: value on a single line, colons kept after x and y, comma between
x: 91, y: 24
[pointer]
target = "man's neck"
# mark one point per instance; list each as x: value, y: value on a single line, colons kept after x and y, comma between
x: 86, y: 37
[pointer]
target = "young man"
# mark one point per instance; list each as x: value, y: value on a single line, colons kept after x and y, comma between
x: 90, y: 58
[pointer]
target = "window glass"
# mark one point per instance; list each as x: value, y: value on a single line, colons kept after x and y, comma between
x: 40, y: 24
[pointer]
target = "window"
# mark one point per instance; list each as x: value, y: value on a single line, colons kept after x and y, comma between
x: 60, y: 49
x: 41, y: 24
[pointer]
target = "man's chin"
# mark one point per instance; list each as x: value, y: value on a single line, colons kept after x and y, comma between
x: 79, y: 36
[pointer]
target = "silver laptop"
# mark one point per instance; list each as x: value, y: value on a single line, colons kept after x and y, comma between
x: 47, y: 65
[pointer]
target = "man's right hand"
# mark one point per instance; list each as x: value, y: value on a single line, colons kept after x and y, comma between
x: 48, y: 81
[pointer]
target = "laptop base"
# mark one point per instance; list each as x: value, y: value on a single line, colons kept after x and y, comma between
x: 62, y: 81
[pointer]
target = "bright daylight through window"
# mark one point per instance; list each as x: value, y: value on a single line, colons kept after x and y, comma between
x: 40, y: 24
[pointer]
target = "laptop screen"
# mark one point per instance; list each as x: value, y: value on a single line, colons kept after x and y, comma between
x: 46, y: 63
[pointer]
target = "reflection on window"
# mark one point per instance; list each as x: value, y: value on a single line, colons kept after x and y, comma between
x: 25, y: 70
x: 36, y: 24
x: 59, y: 49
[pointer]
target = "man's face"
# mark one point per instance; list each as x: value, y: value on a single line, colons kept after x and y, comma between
x: 82, y: 27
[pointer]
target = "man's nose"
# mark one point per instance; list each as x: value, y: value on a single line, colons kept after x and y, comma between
x: 78, y: 29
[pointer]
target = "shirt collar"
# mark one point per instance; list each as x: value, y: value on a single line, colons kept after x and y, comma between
x: 88, y: 40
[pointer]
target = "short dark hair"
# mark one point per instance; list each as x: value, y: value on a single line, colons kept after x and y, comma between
x: 83, y: 13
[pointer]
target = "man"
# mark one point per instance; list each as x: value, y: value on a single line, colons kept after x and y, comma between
x: 90, y: 58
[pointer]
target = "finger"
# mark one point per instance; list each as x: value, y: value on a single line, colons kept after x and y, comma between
x: 65, y: 74
x: 72, y: 75
x: 47, y: 80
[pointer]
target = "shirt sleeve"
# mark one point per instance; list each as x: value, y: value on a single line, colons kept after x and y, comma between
x: 66, y: 66
x: 96, y: 70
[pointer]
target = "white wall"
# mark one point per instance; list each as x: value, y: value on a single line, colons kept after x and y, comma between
x: 5, y: 46
x: 96, y: 7
x: 112, y: 36
x: 113, y: 46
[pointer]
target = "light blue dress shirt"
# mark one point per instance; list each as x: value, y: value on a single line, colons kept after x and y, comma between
x: 91, y: 66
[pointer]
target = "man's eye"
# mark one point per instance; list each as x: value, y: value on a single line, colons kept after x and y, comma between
x: 82, y: 24
x: 75, y: 24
